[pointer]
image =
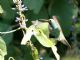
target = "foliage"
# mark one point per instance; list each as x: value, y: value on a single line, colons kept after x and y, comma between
x: 37, y: 10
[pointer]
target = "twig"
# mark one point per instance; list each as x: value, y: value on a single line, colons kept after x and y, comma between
x: 10, y: 31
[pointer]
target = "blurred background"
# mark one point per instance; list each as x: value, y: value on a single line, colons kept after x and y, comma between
x: 68, y: 13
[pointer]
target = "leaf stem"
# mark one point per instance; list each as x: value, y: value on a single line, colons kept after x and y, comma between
x: 10, y: 31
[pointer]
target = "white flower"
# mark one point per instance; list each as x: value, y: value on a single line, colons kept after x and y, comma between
x: 22, y: 8
x: 17, y: 19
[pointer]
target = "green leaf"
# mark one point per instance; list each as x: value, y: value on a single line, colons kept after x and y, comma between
x: 48, y: 58
x: 3, y: 50
x: 12, y: 51
x: 65, y: 10
x: 19, y: 52
x: 40, y: 15
x: 34, y: 5
x: 77, y: 26
x: 9, y: 14
x: 42, y: 38
x: 7, y: 37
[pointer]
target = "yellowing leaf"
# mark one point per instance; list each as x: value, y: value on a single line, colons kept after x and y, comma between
x: 34, y: 5
x: 54, y: 49
x: 3, y: 50
x: 1, y: 10
x: 44, y: 26
x: 42, y: 38
x: 54, y: 41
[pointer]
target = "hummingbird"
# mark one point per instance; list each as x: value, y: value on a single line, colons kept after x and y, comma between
x: 54, y: 21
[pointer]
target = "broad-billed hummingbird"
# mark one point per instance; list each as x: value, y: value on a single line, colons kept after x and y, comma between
x: 61, y: 36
